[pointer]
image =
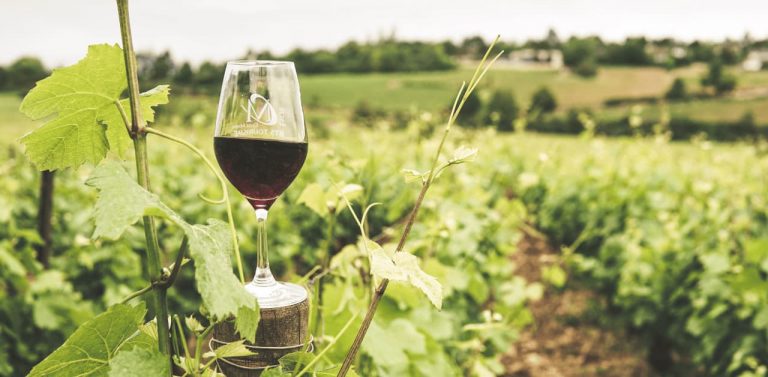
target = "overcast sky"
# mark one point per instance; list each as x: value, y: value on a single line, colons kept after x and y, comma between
x: 59, y: 31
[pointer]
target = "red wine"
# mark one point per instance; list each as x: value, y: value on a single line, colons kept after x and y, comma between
x: 260, y: 169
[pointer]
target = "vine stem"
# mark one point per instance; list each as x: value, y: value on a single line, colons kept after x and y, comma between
x: 458, y: 104
x: 158, y: 299
x: 166, y: 281
x: 224, y: 190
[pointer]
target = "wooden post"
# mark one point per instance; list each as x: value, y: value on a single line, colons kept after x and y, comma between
x: 44, y: 217
x: 282, y: 330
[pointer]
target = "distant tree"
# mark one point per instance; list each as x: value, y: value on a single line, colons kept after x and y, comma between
x: 580, y: 54
x: 184, y: 75
x: 388, y: 58
x: 474, y: 46
x: 209, y: 74
x: 701, y: 52
x: 353, y: 57
x: 449, y: 48
x: 501, y: 110
x: 631, y: 52
x: 587, y: 68
x: 320, y: 61
x: 259, y: 55
x: 749, y: 126
x: 162, y: 67
x: 726, y: 85
x: 409, y: 57
x: 266, y: 55
x: 729, y: 55
x: 677, y: 91
x: 468, y: 117
x: 542, y: 102
x: 553, y: 41
x: 24, y: 73
x: 3, y: 78
x: 365, y: 114
x: 717, y: 79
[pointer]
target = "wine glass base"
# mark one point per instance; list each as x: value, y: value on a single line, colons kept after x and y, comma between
x: 277, y: 294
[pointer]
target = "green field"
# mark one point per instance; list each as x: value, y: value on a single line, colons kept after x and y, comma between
x: 428, y: 91
x: 669, y: 239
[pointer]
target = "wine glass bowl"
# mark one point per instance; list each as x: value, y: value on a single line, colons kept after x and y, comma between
x: 260, y: 144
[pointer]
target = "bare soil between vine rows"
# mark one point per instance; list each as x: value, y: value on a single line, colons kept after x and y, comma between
x: 565, y: 340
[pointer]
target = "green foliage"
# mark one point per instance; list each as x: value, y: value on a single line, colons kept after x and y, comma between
x: 122, y: 202
x: 677, y: 91
x: 586, y: 68
x: 671, y: 237
x: 470, y: 113
x: 77, y: 134
x: 402, y: 266
x: 92, y: 346
x: 722, y: 82
x: 22, y: 74
x: 501, y: 110
x: 632, y: 52
x: 542, y: 102
x: 580, y: 54
x: 138, y: 362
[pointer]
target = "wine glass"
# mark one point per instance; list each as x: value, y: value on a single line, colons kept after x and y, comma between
x: 261, y: 144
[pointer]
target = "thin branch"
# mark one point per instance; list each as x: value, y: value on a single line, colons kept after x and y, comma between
x: 328, y: 347
x: 381, y: 289
x: 199, y: 343
x: 123, y: 115
x: 165, y: 282
x: 177, y: 264
x: 158, y: 300
x: 131, y: 67
x: 224, y: 190
x: 137, y: 293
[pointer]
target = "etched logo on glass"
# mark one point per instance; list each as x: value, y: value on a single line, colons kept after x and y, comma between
x: 260, y: 111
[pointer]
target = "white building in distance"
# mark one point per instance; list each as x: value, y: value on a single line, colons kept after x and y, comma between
x: 755, y: 61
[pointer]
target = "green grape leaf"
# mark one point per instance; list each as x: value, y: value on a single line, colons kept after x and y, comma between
x: 313, y: 196
x: 383, y: 267
x: 404, y: 267
x: 295, y: 360
x: 460, y: 155
x: 756, y: 250
x: 463, y: 154
x: 92, y: 345
x: 275, y: 372
x: 388, y: 345
x: 139, y: 362
x: 76, y: 94
x: 323, y: 201
x: 67, y: 141
x: 350, y: 191
x: 122, y: 202
x: 96, y: 80
x: 247, y: 322
x: 414, y: 175
x: 82, y: 99
x: 554, y: 275
x: 117, y: 135
x: 234, y: 349
x: 418, y: 278
x: 211, y: 248
x: 9, y: 263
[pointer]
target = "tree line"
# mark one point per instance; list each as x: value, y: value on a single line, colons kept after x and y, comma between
x: 583, y: 55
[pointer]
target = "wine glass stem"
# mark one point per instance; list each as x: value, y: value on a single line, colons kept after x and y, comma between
x: 263, y: 276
